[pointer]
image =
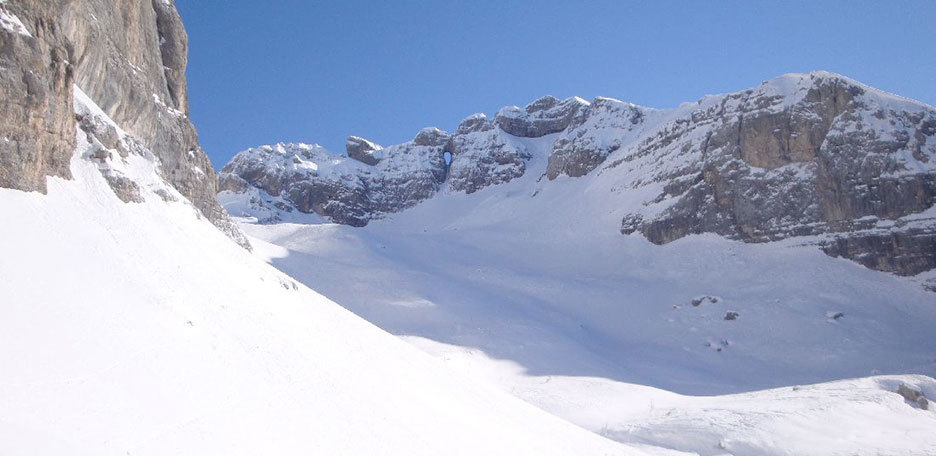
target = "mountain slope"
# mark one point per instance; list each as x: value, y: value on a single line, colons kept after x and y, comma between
x: 500, y: 268
x: 522, y: 284
x: 138, y: 328
x: 800, y: 155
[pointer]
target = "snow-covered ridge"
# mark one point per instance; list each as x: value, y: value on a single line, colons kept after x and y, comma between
x: 799, y: 155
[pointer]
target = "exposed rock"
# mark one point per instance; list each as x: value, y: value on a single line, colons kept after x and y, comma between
x: 541, y: 117
x: 129, y: 56
x: 913, y: 396
x: 431, y: 136
x: 126, y: 189
x: 362, y: 150
x: 37, y: 128
x: 347, y: 191
x: 583, y: 146
x: 232, y: 183
x: 101, y: 130
x: 697, y: 301
x: 378, y: 181
x: 104, y: 140
x: 483, y: 155
x: 165, y: 195
x: 473, y: 124
x: 800, y: 155
x: 731, y: 315
x: 173, y: 46
x: 905, y: 252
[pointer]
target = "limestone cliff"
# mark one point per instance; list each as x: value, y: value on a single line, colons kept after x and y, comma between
x: 129, y: 56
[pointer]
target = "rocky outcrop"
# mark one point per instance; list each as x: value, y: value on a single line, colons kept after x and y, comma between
x: 913, y: 396
x: 373, y: 181
x: 541, y: 117
x: 310, y: 179
x: 484, y: 155
x: 362, y: 150
x: 904, y: 250
x: 129, y: 56
x: 584, y: 146
x: 805, y: 155
x: 849, y: 168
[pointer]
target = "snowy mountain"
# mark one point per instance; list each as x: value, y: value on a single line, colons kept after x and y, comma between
x: 138, y: 328
x: 721, y: 324
x: 131, y: 324
x: 802, y: 155
x: 503, y: 310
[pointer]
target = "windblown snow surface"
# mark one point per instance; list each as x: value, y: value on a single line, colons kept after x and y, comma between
x: 530, y: 287
x: 135, y: 329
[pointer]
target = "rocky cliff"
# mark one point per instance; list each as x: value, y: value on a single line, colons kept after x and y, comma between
x: 370, y: 181
x: 129, y: 56
x: 817, y: 156
x: 800, y: 155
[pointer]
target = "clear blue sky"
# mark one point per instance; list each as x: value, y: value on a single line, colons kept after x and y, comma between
x: 315, y: 71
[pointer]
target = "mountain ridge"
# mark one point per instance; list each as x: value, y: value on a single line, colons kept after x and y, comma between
x: 799, y: 155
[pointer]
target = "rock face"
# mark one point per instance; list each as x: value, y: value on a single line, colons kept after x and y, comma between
x: 363, y: 150
x: 541, y: 117
x: 129, y: 56
x: 36, y: 126
x: 585, y: 145
x: 483, y: 155
x: 818, y: 156
x: 800, y: 155
x: 310, y: 179
x: 372, y: 181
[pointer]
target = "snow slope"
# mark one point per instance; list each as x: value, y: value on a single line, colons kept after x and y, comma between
x: 852, y: 417
x: 524, y: 285
x: 139, y: 328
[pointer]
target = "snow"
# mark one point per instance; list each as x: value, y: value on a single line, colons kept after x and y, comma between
x: 85, y: 106
x: 516, y: 112
x: 258, y: 206
x: 854, y: 416
x: 173, y: 111
x: 11, y: 23
x: 141, y: 329
x: 529, y: 286
x: 475, y: 116
x: 302, y: 160
x: 527, y: 325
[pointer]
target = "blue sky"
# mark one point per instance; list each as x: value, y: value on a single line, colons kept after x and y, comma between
x: 314, y: 71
